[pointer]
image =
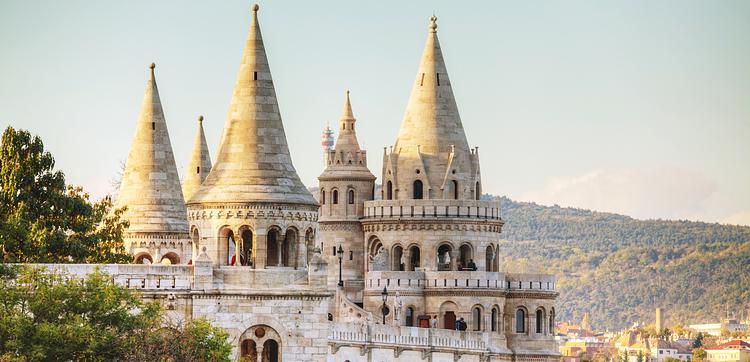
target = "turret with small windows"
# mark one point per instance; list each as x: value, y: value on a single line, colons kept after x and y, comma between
x: 345, y: 185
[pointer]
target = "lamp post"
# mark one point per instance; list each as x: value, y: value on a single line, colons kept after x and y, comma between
x: 340, y: 253
x: 385, y: 298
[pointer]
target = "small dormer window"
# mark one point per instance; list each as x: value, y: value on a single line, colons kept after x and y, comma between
x: 421, y: 82
x: 418, y: 171
x: 438, y: 79
x: 255, y: 75
x: 198, y: 169
x: 153, y: 125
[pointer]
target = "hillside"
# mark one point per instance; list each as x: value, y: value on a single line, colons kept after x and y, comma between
x: 619, y: 269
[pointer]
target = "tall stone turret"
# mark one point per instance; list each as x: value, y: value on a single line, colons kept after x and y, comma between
x: 199, y: 165
x: 431, y: 158
x: 345, y: 185
x: 252, y: 209
x: 151, y: 189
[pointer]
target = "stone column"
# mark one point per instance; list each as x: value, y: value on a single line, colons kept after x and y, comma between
x: 237, y: 241
x: 261, y: 248
x: 407, y: 259
x: 454, y: 256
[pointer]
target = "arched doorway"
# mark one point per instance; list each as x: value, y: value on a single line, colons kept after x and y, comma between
x: 260, y: 343
x: 489, y: 259
x: 448, y: 314
x: 248, y: 351
x: 465, y: 256
x: 270, y: 351
x: 418, y: 194
x: 398, y: 258
x: 143, y: 258
x: 414, y: 258
x: 409, y: 317
x: 170, y: 259
x: 444, y: 257
x: 246, y: 246
x: 227, y: 246
x: 273, y: 251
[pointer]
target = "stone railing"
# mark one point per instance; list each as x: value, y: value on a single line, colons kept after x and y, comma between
x: 349, y: 312
x: 421, y: 280
x: 410, y: 337
x: 437, y: 208
x: 135, y: 276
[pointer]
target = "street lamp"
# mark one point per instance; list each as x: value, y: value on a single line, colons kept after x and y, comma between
x: 340, y: 253
x: 385, y: 298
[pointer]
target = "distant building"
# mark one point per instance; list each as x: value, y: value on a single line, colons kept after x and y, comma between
x: 635, y: 344
x: 715, y: 329
x: 732, y: 351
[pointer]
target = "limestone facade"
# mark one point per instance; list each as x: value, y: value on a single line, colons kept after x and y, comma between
x: 260, y: 256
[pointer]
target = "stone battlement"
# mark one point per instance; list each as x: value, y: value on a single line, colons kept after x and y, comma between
x: 408, y: 337
x: 375, y: 281
x: 435, y: 208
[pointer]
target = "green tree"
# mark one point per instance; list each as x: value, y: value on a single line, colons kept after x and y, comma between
x: 53, y: 316
x: 698, y: 342
x: 699, y: 354
x: 44, y: 221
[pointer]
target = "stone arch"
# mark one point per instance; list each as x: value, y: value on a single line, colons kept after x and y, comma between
x: 266, y: 340
x: 227, y: 246
x: 350, y: 198
x: 520, y: 320
x: 389, y: 190
x: 170, y: 258
x: 477, y: 313
x: 334, y: 196
x: 478, y: 191
x: 289, y: 247
x: 143, y: 258
x: 552, y: 321
x: 448, y: 314
x: 322, y: 196
x: 418, y: 190
x: 410, y: 315
x: 273, y: 246
x: 247, y: 245
x: 453, y: 189
x: 415, y: 257
x: 398, y: 263
x: 539, y: 318
x: 465, y: 255
x: 374, y: 245
x: 495, y: 319
x: 489, y: 259
x: 195, y: 240
x: 445, y: 256
x: 309, y: 243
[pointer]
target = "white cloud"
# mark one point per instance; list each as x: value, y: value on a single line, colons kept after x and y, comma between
x: 666, y: 192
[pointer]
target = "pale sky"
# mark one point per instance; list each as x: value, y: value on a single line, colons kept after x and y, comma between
x: 635, y: 107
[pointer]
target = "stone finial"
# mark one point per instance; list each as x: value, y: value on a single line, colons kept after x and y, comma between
x: 152, y: 66
x: 200, y: 119
x: 433, y: 24
x: 255, y: 8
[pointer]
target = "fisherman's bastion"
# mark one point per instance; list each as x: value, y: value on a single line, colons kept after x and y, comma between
x: 352, y: 275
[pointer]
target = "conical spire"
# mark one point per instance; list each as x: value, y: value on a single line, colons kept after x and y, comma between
x: 431, y: 119
x: 431, y: 142
x: 200, y: 164
x: 253, y: 162
x: 150, y: 185
x: 347, y: 140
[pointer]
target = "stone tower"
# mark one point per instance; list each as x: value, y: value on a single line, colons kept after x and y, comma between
x: 345, y: 185
x: 151, y: 191
x: 252, y: 209
x: 199, y: 165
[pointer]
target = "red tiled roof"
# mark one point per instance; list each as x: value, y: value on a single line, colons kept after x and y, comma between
x: 735, y: 344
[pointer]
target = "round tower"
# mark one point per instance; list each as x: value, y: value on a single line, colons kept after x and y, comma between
x: 252, y: 210
x: 345, y: 185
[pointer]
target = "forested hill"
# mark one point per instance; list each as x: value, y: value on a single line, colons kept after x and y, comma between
x: 619, y: 269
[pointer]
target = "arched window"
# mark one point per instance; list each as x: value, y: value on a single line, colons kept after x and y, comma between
x: 389, y: 191
x: 539, y: 320
x: 477, y: 319
x: 455, y: 189
x: 335, y: 197
x: 478, y: 191
x: 350, y: 197
x: 494, y: 320
x: 417, y: 190
x: 323, y: 197
x: 520, y: 321
x: 410, y: 317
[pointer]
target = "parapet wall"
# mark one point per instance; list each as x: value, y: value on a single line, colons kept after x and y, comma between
x: 421, y: 280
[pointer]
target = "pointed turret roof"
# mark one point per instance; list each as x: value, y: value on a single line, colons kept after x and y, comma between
x: 150, y: 185
x: 431, y: 119
x: 347, y: 140
x: 199, y: 165
x: 431, y: 143
x: 253, y: 163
